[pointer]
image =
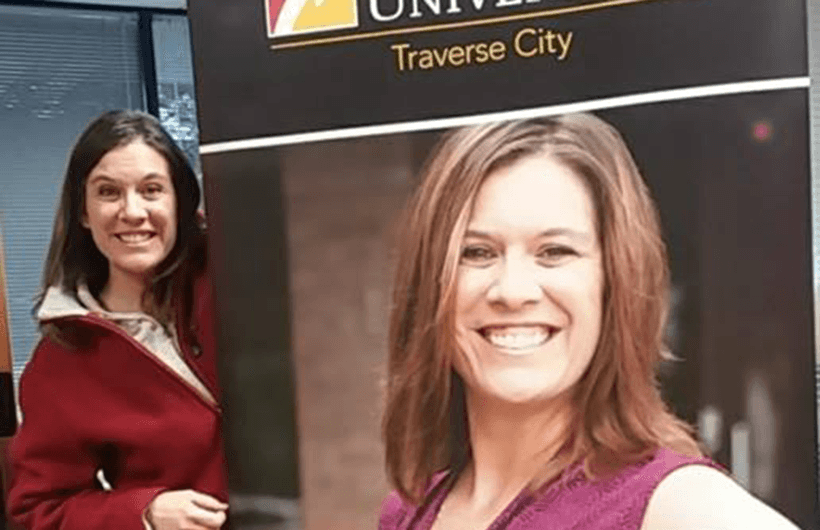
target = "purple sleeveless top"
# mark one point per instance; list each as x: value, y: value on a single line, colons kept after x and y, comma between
x: 571, y: 503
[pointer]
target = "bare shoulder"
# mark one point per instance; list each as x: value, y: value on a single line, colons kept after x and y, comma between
x: 698, y: 497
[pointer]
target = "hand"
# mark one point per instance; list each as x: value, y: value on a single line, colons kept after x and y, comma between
x: 185, y: 510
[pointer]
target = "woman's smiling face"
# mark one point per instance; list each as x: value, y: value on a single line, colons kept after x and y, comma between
x: 530, y: 283
x: 130, y: 209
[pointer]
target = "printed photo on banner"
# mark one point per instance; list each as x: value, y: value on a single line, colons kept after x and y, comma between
x: 728, y: 176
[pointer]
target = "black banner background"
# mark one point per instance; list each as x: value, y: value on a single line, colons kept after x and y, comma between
x: 246, y: 90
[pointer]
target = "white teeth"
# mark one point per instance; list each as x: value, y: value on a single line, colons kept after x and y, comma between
x: 134, y: 238
x: 517, y: 338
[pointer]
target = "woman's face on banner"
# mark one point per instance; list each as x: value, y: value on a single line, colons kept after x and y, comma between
x: 530, y: 283
x: 130, y: 209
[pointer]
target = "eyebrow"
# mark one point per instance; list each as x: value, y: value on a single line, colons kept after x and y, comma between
x: 577, y: 235
x: 95, y: 178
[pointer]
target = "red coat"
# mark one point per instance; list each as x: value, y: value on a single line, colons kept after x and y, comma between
x: 113, y: 407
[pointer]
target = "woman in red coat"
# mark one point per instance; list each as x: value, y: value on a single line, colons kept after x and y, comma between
x: 121, y: 423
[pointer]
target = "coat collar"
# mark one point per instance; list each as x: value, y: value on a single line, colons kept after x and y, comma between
x: 59, y: 302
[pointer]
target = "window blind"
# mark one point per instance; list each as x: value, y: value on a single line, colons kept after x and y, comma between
x: 59, y: 68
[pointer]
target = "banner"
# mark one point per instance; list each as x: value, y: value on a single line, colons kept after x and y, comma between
x: 316, y: 117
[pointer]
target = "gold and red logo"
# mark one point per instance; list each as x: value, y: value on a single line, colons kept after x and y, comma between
x: 294, y: 17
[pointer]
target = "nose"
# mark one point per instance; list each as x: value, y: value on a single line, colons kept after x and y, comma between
x: 133, y: 208
x: 515, y: 284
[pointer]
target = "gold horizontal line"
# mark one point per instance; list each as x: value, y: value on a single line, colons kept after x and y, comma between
x: 458, y: 25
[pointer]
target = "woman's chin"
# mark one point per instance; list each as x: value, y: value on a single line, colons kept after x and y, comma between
x: 519, y: 389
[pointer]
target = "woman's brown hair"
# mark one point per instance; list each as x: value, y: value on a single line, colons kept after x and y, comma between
x: 620, y: 415
x: 73, y: 257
